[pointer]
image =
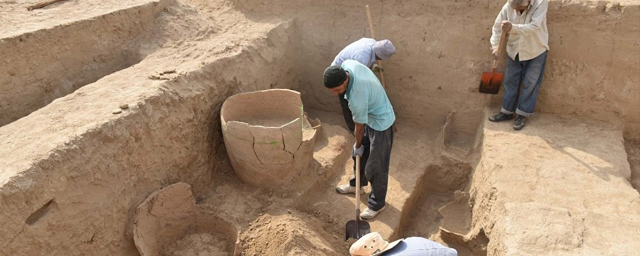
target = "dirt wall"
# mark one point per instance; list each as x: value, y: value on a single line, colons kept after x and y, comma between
x: 41, y: 66
x: 437, y: 65
x: 442, y: 48
x: 593, y: 62
x: 69, y: 184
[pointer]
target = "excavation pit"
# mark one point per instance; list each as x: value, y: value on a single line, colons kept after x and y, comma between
x: 72, y: 172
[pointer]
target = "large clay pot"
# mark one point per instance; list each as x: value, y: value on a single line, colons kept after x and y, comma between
x: 268, y: 137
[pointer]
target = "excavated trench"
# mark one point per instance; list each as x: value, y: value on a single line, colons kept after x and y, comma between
x: 441, y: 210
x: 43, y: 65
x: 113, y: 142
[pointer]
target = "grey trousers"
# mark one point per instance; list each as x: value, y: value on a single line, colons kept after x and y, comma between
x: 374, y: 168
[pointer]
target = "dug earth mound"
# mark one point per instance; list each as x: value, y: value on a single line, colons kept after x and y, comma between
x: 106, y: 105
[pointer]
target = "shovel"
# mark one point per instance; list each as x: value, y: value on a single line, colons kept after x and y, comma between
x: 357, y: 228
x: 373, y: 35
x: 491, y: 81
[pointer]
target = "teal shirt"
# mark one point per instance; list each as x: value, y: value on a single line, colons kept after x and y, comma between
x: 367, y: 99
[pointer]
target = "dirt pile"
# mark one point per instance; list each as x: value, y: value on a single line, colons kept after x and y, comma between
x: 196, y: 245
x: 291, y: 233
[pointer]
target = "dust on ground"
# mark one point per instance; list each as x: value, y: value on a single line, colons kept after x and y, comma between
x: 199, y: 244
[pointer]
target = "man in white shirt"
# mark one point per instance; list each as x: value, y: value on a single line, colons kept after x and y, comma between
x: 366, y: 51
x: 527, y: 47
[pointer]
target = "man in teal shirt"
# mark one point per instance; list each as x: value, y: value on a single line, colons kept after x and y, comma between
x: 374, y: 118
x: 366, y: 51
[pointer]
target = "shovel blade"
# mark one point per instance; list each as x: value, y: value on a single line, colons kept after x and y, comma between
x: 490, y: 82
x: 356, y: 229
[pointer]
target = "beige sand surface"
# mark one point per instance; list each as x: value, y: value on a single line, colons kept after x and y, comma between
x: 72, y: 173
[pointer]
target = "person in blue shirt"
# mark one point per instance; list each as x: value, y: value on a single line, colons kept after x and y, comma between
x: 373, y: 118
x: 366, y: 51
x: 373, y: 244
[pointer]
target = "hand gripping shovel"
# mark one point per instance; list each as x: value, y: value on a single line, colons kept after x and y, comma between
x: 490, y: 81
x: 357, y: 228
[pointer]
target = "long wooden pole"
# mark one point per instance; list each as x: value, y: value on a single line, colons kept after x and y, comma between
x: 373, y: 35
x: 395, y: 127
x: 43, y: 4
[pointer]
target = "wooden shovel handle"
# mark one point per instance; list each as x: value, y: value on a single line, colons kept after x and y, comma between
x: 373, y: 35
x: 501, y: 47
x: 357, y: 186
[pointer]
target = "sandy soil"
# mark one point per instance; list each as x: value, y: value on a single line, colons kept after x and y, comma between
x: 292, y: 234
x: 173, y: 118
x: 554, y: 176
x: 72, y: 172
x: 633, y: 154
x: 199, y: 244
x: 17, y: 20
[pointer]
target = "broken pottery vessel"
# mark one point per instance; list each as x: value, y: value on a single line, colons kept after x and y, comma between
x: 171, y: 214
x: 268, y: 137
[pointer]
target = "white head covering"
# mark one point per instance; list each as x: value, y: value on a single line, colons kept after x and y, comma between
x: 371, y: 244
x: 384, y: 49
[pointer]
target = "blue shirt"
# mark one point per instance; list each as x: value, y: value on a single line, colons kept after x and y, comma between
x: 367, y: 99
x: 418, y: 246
x: 360, y: 51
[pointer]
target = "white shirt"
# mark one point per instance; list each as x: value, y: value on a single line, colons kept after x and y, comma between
x: 529, y: 36
x: 360, y: 51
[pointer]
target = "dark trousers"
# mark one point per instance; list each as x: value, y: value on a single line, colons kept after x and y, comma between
x: 346, y: 113
x: 374, y: 165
